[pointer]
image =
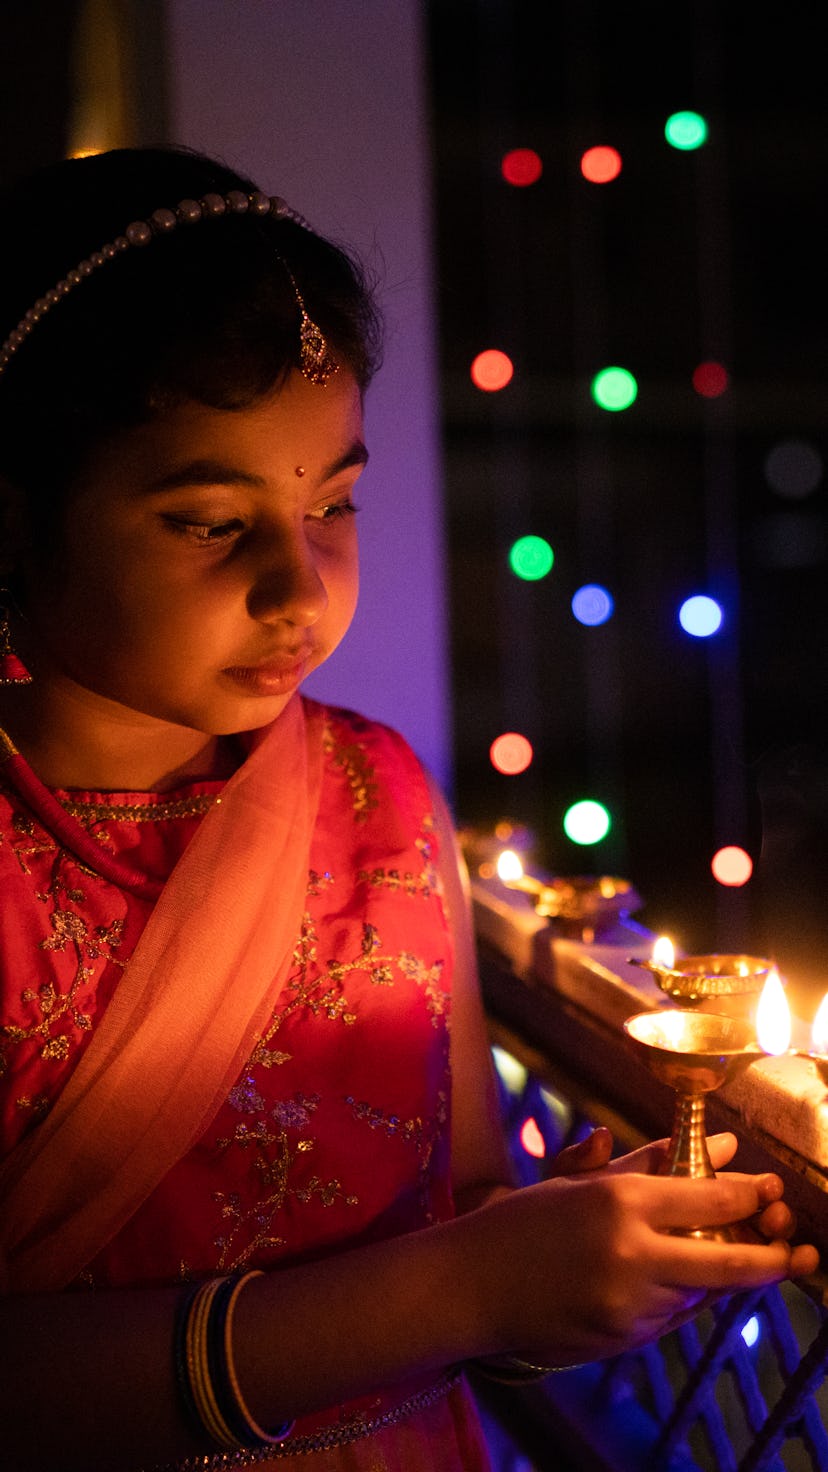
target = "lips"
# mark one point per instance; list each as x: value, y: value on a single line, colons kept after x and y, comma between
x: 274, y: 675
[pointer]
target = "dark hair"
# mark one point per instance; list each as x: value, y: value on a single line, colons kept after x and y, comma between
x: 207, y: 312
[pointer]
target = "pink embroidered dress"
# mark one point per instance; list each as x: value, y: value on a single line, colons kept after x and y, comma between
x: 337, y: 1131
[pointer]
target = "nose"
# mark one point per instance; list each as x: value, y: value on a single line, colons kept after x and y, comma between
x: 287, y: 585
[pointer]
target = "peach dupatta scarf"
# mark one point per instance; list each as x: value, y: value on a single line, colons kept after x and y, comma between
x: 195, y: 995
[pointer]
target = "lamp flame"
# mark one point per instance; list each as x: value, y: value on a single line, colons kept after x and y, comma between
x: 773, y: 1017
x: 664, y: 952
x: 819, y: 1028
x: 509, y: 867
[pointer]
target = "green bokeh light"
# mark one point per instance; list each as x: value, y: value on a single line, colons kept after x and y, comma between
x: 614, y: 389
x: 685, y: 130
x: 531, y: 558
x: 586, y: 822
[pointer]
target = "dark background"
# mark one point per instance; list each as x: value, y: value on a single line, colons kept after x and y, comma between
x: 686, y: 257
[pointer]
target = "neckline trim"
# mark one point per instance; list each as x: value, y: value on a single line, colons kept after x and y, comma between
x: 64, y: 825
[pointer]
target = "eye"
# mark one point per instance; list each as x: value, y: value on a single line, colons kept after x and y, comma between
x: 336, y: 510
x: 205, y: 531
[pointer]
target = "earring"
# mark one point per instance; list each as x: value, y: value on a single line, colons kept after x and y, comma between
x: 12, y: 669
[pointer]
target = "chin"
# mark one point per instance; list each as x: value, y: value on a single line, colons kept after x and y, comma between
x: 249, y: 715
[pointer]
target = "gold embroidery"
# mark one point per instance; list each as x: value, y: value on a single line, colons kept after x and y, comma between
x: 426, y: 883
x: 275, y: 1157
x: 269, y: 1132
x: 422, y: 1134
x: 318, y: 882
x: 138, y: 812
x: 56, y: 1048
x: 359, y: 772
x: 322, y: 993
x: 49, y: 1008
x: 39, y: 1105
x: 26, y: 828
x: 428, y: 978
x: 307, y: 992
x: 390, y: 1124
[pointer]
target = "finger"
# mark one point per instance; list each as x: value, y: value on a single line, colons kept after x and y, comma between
x: 804, y: 1260
x: 589, y: 1154
x: 646, y: 1161
x: 649, y: 1159
x: 680, y: 1202
x: 725, y: 1267
x: 722, y: 1148
x: 770, y: 1187
x: 777, y: 1221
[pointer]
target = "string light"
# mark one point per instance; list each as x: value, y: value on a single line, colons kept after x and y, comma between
x: 732, y: 866
x: 700, y: 616
x: 592, y: 605
x: 685, y: 130
x: 492, y: 370
x: 711, y: 380
x: 614, y: 389
x: 586, y: 822
x: 521, y: 167
x: 511, y: 753
x: 601, y: 165
x: 531, y: 558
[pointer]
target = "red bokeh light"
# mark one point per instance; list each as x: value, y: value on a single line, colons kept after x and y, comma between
x: 711, y: 380
x: 601, y: 165
x: 732, y: 866
x: 511, y: 753
x: 521, y: 166
x: 492, y: 370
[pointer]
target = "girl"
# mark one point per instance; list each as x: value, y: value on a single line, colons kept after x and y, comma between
x: 234, y: 929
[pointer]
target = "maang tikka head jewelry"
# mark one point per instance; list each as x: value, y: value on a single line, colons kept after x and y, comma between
x: 315, y: 360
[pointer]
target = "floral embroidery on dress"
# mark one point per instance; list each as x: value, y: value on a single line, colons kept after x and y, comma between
x: 422, y: 1134
x: 34, y: 846
x: 429, y: 979
x: 51, y: 1013
x: 359, y: 772
x: 275, y: 1155
x: 321, y: 991
x: 317, y: 882
x: 39, y: 1104
x: 406, y: 881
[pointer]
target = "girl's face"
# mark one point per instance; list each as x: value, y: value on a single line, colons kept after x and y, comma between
x: 209, y: 560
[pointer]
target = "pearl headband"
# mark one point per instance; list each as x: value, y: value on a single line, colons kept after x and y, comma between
x: 315, y: 361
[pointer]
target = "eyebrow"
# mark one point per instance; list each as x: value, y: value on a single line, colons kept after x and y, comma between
x: 217, y: 473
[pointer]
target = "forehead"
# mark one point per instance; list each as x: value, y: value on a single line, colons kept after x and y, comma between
x: 317, y: 426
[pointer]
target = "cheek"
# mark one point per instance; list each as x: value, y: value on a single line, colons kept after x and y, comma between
x: 343, y: 590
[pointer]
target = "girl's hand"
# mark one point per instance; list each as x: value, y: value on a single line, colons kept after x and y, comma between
x: 775, y: 1221
x: 584, y: 1266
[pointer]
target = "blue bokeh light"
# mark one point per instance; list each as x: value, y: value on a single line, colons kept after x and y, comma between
x: 700, y: 616
x: 592, y: 605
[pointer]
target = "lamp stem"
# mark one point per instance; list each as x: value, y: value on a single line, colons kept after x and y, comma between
x: 688, y: 1154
